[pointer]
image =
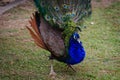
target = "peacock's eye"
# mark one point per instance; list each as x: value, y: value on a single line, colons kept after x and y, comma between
x: 76, y: 36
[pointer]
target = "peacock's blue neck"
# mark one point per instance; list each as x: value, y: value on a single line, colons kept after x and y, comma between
x: 76, y: 51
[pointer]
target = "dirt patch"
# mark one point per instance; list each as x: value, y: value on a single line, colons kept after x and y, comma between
x: 17, y: 17
x: 102, y: 3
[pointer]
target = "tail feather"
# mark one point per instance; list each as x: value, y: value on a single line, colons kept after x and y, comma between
x: 35, y: 32
x: 34, y: 25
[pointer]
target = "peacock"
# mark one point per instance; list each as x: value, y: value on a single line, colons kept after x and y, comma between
x: 55, y: 27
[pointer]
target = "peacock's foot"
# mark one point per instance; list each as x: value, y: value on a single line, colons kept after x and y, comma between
x: 52, y: 75
x: 70, y: 66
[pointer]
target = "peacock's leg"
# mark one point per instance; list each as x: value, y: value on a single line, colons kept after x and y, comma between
x: 52, y: 72
x: 69, y: 66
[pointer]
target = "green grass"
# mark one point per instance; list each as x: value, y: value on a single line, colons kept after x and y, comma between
x: 21, y: 59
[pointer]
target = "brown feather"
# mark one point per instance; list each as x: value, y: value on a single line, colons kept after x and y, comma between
x: 37, y: 40
x: 35, y: 33
x: 34, y: 25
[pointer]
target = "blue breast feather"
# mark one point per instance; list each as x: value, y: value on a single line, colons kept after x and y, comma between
x: 76, y: 51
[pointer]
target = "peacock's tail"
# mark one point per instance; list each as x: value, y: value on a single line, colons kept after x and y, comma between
x: 34, y: 31
x: 60, y: 11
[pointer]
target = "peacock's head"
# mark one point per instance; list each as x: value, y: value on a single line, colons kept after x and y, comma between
x: 76, y: 35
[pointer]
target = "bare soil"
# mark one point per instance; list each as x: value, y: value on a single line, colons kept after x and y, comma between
x: 17, y: 17
x: 102, y: 3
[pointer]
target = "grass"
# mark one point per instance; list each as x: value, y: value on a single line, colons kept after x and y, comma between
x: 21, y: 59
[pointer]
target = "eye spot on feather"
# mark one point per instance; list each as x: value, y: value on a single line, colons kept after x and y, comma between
x: 73, y: 14
x: 54, y: 19
x: 65, y: 6
x: 48, y: 18
x: 56, y: 8
x: 42, y: 4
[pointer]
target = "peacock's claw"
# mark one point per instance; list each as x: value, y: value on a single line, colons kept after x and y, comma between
x: 52, y: 75
x: 70, y: 66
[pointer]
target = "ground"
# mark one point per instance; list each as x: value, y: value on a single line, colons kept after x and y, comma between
x: 21, y: 59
